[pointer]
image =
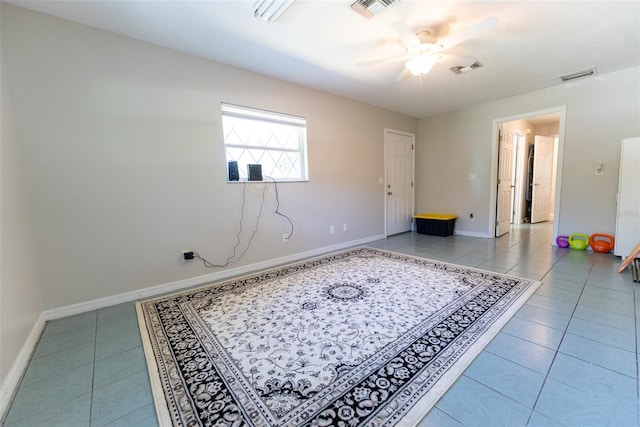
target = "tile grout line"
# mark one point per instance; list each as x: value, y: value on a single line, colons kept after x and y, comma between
x: 532, y: 409
x: 637, y: 330
x: 557, y: 351
x: 93, y: 371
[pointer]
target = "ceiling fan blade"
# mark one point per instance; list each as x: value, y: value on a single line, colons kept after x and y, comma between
x: 405, y: 37
x: 383, y: 61
x: 455, y: 60
x: 403, y: 75
x: 475, y: 30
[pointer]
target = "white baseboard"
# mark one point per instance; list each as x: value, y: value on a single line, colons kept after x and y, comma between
x: 95, y: 304
x: 12, y: 380
x: 472, y: 234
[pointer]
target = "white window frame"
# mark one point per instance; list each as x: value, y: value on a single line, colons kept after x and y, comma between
x: 269, y: 117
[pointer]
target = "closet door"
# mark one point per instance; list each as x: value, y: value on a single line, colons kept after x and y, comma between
x: 628, y: 213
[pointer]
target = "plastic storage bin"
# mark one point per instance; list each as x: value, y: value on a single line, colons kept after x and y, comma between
x: 435, y: 224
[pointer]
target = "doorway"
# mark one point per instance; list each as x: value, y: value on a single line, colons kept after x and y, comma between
x: 522, y: 194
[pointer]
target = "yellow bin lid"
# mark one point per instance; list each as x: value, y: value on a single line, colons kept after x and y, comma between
x: 436, y: 216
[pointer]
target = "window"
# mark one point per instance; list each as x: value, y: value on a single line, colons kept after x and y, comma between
x: 276, y: 141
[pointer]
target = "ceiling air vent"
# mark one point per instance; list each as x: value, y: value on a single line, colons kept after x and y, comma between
x: 460, y: 70
x: 370, y: 8
x: 589, y: 72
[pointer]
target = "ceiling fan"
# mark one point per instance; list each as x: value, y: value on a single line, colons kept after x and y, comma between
x: 427, y: 49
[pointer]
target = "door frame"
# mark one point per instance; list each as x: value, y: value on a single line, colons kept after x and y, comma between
x: 413, y: 175
x: 493, y: 183
x: 519, y: 142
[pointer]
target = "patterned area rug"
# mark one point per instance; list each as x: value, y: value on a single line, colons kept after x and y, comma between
x: 359, y: 337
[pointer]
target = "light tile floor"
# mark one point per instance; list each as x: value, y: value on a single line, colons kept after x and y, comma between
x: 569, y: 357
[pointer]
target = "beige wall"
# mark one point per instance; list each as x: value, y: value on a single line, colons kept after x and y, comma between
x: 124, y: 166
x: 600, y: 112
x: 20, y: 299
x: 547, y: 129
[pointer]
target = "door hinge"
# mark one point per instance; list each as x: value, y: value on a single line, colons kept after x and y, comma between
x: 412, y: 146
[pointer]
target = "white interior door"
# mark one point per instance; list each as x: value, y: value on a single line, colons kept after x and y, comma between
x: 504, y: 209
x: 399, y: 161
x: 542, y: 171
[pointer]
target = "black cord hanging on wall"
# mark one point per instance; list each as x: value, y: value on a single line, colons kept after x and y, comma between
x: 231, y: 259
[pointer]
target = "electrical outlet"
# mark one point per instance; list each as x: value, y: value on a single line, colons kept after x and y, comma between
x: 285, y: 238
x: 332, y: 229
x: 187, y: 255
x: 344, y: 227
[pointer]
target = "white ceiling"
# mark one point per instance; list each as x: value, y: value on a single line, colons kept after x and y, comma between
x: 322, y: 43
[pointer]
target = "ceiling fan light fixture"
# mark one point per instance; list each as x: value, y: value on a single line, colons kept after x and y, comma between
x: 270, y: 10
x: 421, y: 65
